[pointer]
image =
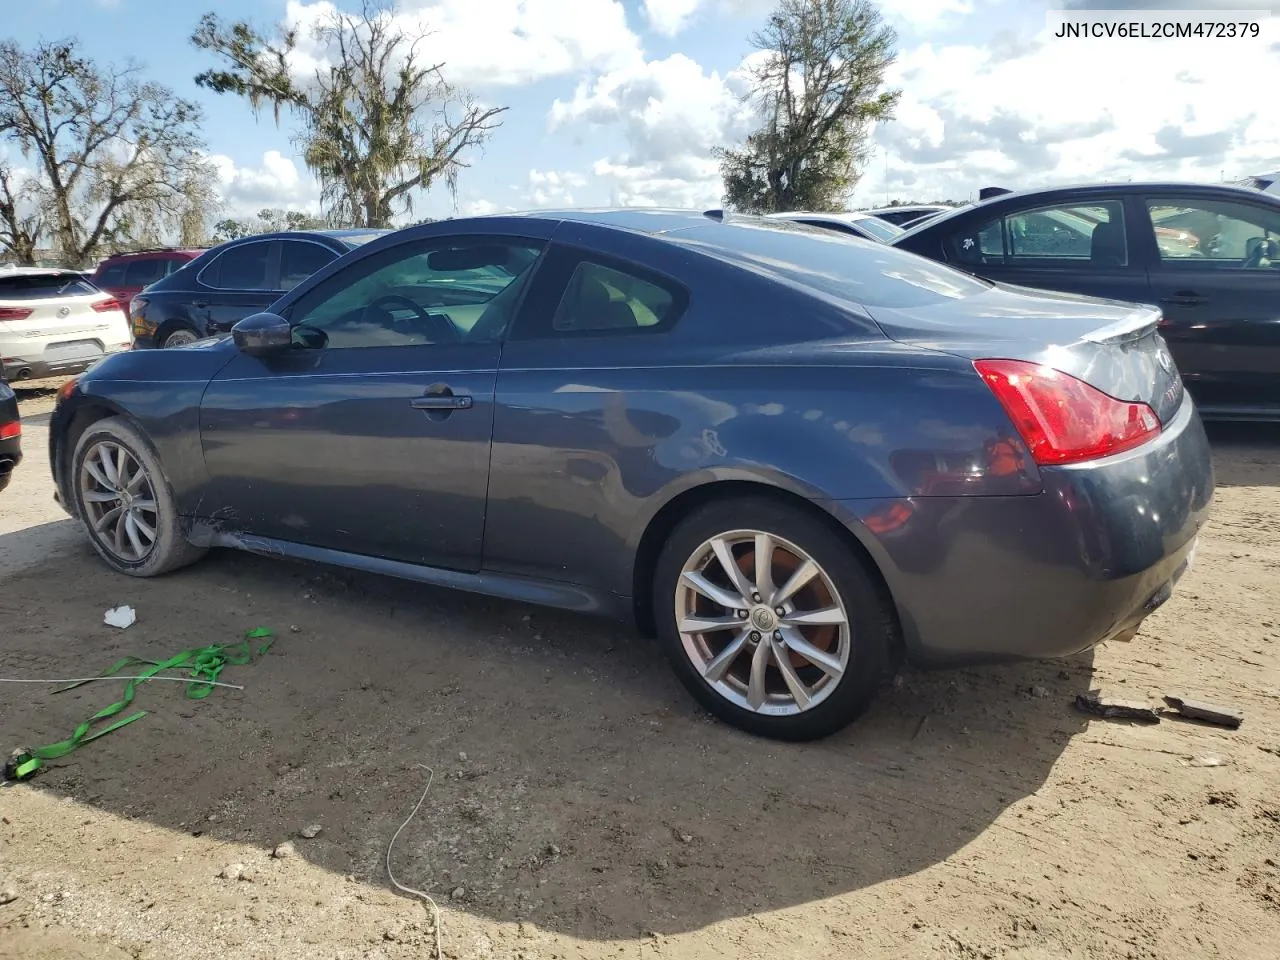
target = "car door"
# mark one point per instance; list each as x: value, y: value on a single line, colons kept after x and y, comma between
x: 239, y: 281
x: 372, y: 435
x: 1079, y: 245
x: 1216, y: 275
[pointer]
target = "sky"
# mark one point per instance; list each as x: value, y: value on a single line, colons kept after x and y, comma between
x: 622, y: 101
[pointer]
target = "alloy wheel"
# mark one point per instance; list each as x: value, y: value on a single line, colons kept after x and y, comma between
x: 119, y: 501
x: 180, y: 337
x: 762, y: 623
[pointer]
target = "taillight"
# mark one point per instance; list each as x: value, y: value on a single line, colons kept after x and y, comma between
x: 1063, y: 419
x: 138, y: 318
x: 10, y: 430
x: 106, y: 305
x: 14, y: 313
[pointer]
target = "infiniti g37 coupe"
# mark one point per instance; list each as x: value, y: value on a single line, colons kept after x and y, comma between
x: 793, y: 456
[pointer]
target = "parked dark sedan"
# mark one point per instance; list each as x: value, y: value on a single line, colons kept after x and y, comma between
x: 791, y: 454
x: 10, y: 433
x: 1208, y: 255
x: 225, y: 284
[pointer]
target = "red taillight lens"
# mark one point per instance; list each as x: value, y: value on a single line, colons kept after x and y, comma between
x: 14, y: 313
x: 1062, y: 419
x: 106, y: 305
x: 10, y: 430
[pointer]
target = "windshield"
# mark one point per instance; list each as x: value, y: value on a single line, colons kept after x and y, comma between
x: 36, y: 286
x: 880, y: 229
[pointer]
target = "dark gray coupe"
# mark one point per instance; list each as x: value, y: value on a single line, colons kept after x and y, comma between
x: 794, y: 457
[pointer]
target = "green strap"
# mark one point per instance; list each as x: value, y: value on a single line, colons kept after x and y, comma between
x: 204, y: 663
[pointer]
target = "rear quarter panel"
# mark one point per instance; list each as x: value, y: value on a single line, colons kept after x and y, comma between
x: 594, y: 436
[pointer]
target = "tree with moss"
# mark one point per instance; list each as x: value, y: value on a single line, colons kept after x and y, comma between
x: 377, y: 122
x: 819, y: 87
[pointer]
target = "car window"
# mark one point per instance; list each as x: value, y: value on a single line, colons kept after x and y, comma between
x: 1088, y: 234
x: 139, y: 273
x: 299, y: 259
x: 240, y: 268
x: 599, y: 299
x: 1216, y: 234
x: 420, y: 292
x: 880, y: 229
x: 35, y: 286
x: 112, y: 276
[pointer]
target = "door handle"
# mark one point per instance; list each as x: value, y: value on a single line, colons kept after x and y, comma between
x: 199, y: 304
x: 1185, y: 298
x: 441, y: 402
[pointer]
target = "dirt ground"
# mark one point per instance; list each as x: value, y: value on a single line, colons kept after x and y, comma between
x: 582, y: 807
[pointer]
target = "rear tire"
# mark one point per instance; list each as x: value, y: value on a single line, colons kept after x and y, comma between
x: 177, y: 338
x: 124, y: 501
x: 826, y: 647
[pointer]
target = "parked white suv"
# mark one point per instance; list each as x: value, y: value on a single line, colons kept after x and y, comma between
x: 55, y: 322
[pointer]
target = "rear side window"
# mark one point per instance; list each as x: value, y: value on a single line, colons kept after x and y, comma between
x: 43, y: 285
x: 601, y: 299
x: 139, y: 273
x: 113, y: 275
x: 240, y: 268
x: 1091, y: 234
x: 299, y: 259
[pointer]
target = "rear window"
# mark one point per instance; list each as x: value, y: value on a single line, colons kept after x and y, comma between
x: 43, y: 285
x: 872, y: 275
x: 881, y: 229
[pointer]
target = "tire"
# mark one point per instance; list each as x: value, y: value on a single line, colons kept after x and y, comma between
x: 178, y: 337
x: 857, y: 635
x: 169, y: 548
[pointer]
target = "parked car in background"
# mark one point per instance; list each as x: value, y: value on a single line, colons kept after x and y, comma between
x: 10, y: 433
x: 55, y: 322
x: 1208, y: 255
x: 124, y: 275
x: 854, y: 224
x: 923, y: 218
x: 793, y: 454
x: 209, y: 294
x: 900, y: 215
x: 1264, y: 183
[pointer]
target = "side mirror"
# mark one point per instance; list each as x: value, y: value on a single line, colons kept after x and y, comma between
x: 263, y: 335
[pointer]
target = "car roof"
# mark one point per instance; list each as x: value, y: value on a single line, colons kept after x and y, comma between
x: 844, y: 216
x: 348, y: 232
x: 41, y: 272
x: 902, y: 208
x: 157, y: 251
x: 1226, y: 191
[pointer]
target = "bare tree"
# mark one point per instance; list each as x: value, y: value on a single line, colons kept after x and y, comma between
x: 114, y: 154
x: 21, y: 220
x: 819, y: 89
x: 377, y: 123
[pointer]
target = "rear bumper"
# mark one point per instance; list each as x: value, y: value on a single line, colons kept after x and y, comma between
x: 1086, y: 560
x: 17, y: 369
x: 10, y: 457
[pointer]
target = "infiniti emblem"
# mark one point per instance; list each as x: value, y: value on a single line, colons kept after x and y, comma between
x: 63, y: 311
x: 763, y: 619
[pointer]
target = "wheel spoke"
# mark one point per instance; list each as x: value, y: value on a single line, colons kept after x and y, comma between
x: 713, y: 593
x: 789, y: 675
x: 144, y: 528
x: 814, y: 618
x: 131, y: 530
x: 118, y: 539
x: 147, y: 505
x: 764, y: 566
x: 105, y: 520
x: 803, y: 574
x: 710, y: 624
x: 795, y: 641
x: 730, y: 566
x: 138, y: 480
x: 99, y: 477
x: 122, y: 465
x: 108, y: 465
x: 100, y: 496
x: 756, y: 690
x: 719, y: 665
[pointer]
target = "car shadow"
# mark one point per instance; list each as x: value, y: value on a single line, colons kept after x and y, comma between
x: 1245, y: 454
x: 576, y: 785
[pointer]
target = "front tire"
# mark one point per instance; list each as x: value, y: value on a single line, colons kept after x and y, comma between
x: 793, y: 647
x: 124, y: 501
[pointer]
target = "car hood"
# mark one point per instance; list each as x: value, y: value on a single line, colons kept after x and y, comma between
x: 193, y: 361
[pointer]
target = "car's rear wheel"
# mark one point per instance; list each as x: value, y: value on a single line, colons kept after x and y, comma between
x: 771, y: 620
x: 179, y: 337
x: 125, y: 503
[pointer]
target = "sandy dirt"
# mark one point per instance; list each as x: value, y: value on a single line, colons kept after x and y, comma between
x: 582, y: 806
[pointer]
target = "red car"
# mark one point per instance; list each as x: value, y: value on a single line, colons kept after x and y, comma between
x: 123, y: 275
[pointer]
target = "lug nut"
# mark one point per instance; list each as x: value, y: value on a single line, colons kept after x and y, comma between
x: 755, y: 637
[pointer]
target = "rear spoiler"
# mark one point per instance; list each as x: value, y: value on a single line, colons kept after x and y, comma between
x: 1133, y: 327
x: 986, y: 193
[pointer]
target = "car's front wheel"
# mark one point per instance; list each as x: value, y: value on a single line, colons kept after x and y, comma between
x: 125, y: 503
x: 771, y: 619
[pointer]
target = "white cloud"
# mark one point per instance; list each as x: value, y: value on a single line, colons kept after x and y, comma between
x: 921, y: 15
x: 671, y: 114
x: 277, y: 182
x: 551, y: 188
x: 1027, y: 112
x: 669, y: 16
x: 495, y: 42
